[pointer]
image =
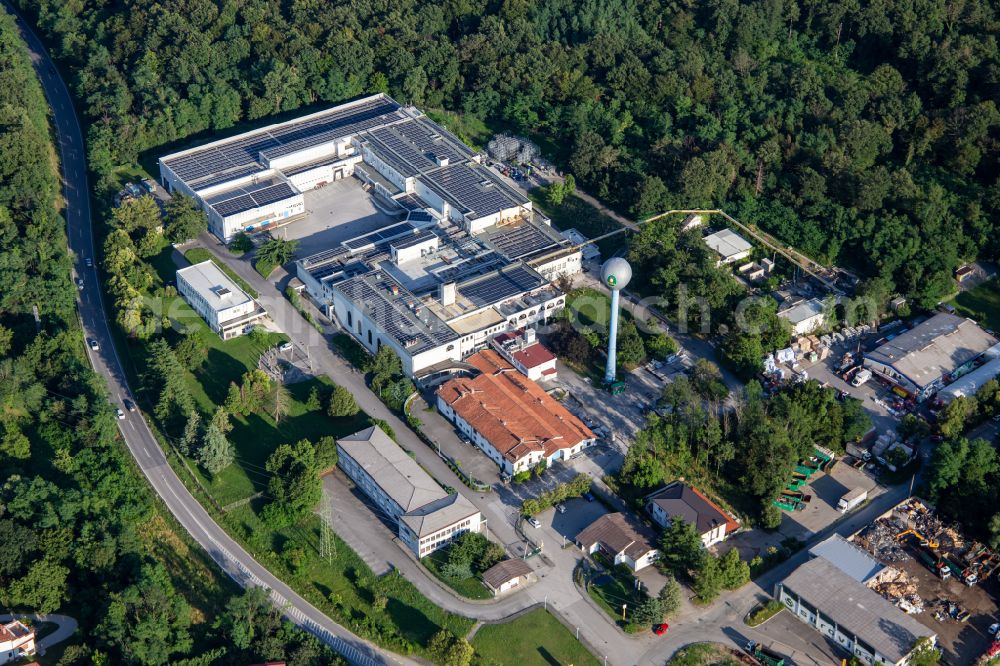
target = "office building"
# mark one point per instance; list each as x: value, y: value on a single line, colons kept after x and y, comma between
x: 227, y: 309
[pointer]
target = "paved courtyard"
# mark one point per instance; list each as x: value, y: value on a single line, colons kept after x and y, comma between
x: 334, y: 213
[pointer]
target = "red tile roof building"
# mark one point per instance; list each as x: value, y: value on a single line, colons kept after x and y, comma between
x: 511, y: 418
x: 16, y: 640
x: 531, y: 358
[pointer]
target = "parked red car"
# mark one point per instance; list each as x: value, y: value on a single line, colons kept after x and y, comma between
x: 660, y: 629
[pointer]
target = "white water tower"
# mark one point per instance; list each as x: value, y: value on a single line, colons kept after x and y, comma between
x: 615, y: 273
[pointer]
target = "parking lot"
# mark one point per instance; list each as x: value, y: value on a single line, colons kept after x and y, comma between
x: 334, y: 213
x: 623, y: 414
x: 442, y: 432
x: 826, y: 490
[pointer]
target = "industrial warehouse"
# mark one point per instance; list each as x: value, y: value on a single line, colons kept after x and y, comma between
x: 461, y: 256
x: 256, y: 180
x: 924, y: 359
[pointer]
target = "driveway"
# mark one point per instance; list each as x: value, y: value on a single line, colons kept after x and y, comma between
x: 65, y: 628
x: 442, y: 432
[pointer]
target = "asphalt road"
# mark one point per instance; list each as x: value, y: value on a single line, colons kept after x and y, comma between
x: 235, y: 561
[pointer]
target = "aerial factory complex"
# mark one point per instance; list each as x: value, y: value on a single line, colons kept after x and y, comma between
x: 463, y: 254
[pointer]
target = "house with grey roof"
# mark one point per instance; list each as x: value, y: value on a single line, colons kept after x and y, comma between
x: 679, y: 500
x: 426, y: 516
x: 623, y: 539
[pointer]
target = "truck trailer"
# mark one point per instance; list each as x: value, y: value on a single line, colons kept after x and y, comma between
x: 851, y: 499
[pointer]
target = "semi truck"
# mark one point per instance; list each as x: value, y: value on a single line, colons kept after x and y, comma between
x: 852, y: 499
x: 765, y: 655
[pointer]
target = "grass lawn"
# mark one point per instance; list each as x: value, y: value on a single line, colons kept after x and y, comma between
x: 611, y: 591
x: 265, y: 268
x: 575, y: 213
x: 534, y: 638
x: 981, y: 303
x: 470, y: 587
x: 345, y: 588
x: 196, y: 255
x: 704, y: 654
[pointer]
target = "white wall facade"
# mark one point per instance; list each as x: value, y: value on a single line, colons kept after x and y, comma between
x: 365, y: 331
x: 308, y: 180
x: 559, y: 266
x: 256, y: 217
x: 216, y: 319
x: 826, y: 626
x: 523, y: 464
x: 436, y: 540
x: 709, y: 538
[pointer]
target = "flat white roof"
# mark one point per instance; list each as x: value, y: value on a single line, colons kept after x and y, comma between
x: 803, y: 311
x: 213, y: 285
x: 728, y: 243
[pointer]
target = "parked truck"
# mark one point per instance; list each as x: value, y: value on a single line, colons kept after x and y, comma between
x: 765, y: 655
x: 934, y: 563
x: 861, y: 376
x: 852, y: 499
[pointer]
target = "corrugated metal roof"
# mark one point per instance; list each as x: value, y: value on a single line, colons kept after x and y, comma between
x: 847, y: 557
x: 855, y: 608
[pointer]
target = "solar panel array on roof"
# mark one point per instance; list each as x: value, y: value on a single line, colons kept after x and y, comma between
x: 411, y: 201
x: 472, y: 189
x: 419, y: 216
x: 415, y: 239
x: 238, y: 204
x: 244, y: 151
x: 477, y: 265
x: 502, y: 285
x: 227, y: 176
x: 394, y: 317
x: 245, y: 202
x: 272, y: 194
x: 521, y: 241
x: 379, y: 236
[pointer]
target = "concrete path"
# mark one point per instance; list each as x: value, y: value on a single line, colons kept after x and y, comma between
x: 65, y: 627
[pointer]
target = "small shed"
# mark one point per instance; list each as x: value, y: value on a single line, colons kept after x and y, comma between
x: 506, y: 575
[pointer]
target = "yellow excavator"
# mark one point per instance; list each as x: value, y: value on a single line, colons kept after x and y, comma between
x: 924, y: 540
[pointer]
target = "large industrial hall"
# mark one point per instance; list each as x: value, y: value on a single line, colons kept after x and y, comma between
x: 255, y: 181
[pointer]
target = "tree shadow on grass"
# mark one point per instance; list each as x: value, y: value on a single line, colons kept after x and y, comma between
x: 216, y: 374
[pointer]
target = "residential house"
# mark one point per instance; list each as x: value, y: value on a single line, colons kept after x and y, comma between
x: 622, y: 539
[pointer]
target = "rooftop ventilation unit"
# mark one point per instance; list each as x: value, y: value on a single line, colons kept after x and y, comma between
x: 222, y: 292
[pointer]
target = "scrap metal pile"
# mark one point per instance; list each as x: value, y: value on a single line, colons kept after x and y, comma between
x: 879, y: 539
x: 899, y: 588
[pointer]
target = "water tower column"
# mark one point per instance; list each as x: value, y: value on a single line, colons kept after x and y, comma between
x: 615, y: 273
x: 609, y: 370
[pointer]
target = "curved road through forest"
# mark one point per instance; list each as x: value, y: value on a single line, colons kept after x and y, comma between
x: 228, y: 554
x: 720, y: 621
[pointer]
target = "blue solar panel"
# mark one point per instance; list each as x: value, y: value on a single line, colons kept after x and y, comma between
x: 500, y: 286
x: 235, y: 205
x: 272, y: 194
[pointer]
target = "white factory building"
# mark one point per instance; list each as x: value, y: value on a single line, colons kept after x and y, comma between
x: 435, y: 291
x: 426, y: 516
x: 804, y: 316
x: 927, y: 357
x: 254, y: 181
x: 227, y: 309
x: 729, y: 245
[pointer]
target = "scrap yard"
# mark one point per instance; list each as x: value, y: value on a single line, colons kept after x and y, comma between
x: 932, y: 571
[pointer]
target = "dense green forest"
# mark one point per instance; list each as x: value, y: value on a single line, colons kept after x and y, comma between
x: 81, y: 534
x: 862, y: 133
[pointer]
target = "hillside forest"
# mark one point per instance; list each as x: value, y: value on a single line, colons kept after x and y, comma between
x: 861, y: 133
x: 81, y: 533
